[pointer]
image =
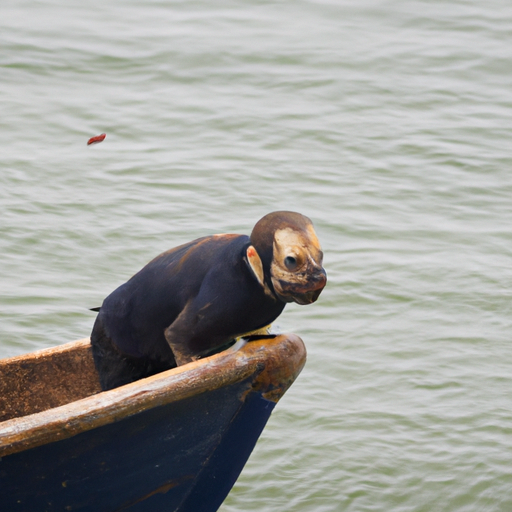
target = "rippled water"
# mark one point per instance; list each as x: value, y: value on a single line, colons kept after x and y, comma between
x: 389, y: 123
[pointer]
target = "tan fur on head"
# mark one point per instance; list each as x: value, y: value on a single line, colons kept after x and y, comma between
x: 297, y: 265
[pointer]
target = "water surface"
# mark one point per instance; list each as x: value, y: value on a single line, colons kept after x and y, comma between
x: 386, y: 122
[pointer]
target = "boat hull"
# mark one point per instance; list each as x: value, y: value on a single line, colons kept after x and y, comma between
x: 176, y: 441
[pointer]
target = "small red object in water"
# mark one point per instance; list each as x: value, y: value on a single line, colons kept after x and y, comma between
x: 97, y: 139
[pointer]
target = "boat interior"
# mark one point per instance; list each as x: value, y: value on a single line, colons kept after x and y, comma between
x: 47, y: 378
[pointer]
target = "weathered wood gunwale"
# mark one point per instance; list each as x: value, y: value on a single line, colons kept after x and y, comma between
x: 176, y: 384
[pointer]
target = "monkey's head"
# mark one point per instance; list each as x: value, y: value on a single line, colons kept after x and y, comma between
x: 286, y: 257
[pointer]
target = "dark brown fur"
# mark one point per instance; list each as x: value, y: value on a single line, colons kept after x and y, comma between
x: 188, y: 302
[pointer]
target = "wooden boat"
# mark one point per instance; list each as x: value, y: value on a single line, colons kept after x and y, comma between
x: 176, y: 441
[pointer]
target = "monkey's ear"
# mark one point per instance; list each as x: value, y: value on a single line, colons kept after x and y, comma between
x: 254, y: 261
x: 256, y: 266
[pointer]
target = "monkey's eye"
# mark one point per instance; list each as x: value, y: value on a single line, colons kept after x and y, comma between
x: 291, y: 263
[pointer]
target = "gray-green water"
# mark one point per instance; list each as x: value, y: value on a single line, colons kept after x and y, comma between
x: 389, y: 123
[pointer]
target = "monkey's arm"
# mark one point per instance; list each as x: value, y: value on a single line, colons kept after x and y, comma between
x: 196, y: 330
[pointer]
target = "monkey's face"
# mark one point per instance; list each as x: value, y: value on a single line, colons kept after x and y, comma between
x: 296, y: 269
